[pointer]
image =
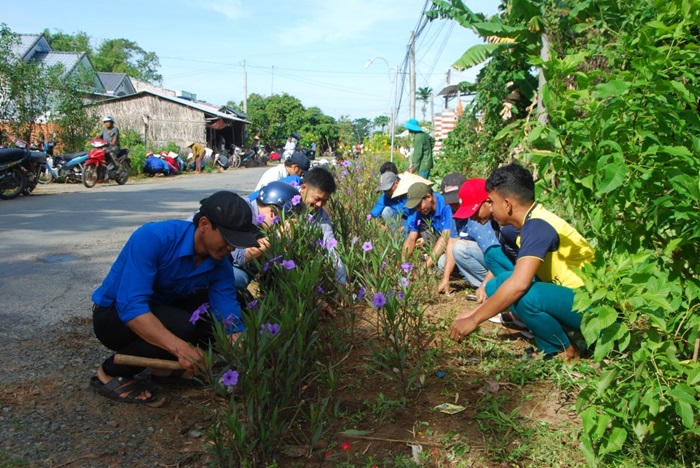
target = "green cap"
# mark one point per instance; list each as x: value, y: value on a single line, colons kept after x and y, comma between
x: 416, y: 193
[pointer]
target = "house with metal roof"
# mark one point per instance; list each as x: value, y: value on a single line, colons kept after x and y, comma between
x: 117, y: 84
x: 35, y: 47
x: 160, y: 119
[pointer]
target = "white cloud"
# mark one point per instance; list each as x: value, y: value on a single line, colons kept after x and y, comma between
x: 231, y: 9
x: 332, y: 21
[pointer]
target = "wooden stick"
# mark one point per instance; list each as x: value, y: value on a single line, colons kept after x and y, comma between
x: 138, y: 361
x: 398, y: 441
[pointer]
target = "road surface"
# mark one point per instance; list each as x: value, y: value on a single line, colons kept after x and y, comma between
x: 58, y: 244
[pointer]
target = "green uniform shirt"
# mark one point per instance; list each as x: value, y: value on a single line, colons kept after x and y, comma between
x: 423, y: 151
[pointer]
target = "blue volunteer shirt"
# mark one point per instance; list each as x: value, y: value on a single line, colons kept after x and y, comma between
x: 482, y: 234
x: 156, y: 266
x: 440, y: 221
x: 396, y: 204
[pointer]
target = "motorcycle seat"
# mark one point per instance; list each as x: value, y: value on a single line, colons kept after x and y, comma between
x: 8, y: 155
x: 38, y: 156
x: 69, y: 156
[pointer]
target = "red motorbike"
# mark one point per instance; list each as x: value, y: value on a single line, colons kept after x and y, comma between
x: 97, y: 168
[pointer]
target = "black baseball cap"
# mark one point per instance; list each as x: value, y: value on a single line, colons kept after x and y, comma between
x: 450, y: 187
x: 233, y: 217
x: 300, y: 160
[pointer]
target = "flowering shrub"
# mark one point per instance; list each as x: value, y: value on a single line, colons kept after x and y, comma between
x: 273, y: 367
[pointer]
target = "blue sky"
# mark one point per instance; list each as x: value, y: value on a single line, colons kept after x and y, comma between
x: 312, y: 49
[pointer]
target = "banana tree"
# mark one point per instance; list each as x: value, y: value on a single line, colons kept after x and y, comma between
x: 519, y: 30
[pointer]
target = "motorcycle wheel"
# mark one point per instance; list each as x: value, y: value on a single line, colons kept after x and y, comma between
x: 90, y: 176
x: 45, y: 176
x: 124, y: 170
x: 234, y: 161
x: 12, y: 184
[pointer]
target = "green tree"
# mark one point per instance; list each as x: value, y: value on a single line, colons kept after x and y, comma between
x: 423, y: 94
x: 60, y: 41
x: 381, y: 121
x: 362, y: 127
x: 28, y: 88
x: 125, y: 56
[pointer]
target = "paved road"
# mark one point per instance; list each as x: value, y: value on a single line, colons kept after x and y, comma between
x: 58, y: 245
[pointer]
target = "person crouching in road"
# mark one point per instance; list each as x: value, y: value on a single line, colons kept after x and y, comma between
x: 166, y: 271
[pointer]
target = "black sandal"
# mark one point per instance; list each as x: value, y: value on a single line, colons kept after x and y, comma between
x: 120, y: 385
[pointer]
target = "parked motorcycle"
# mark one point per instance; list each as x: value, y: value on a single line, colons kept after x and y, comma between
x: 30, y: 164
x: 12, y: 177
x: 68, y: 166
x: 97, y: 169
x: 253, y: 158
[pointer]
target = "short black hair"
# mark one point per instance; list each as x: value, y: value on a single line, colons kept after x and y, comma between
x: 514, y: 181
x: 320, y: 178
x: 388, y: 167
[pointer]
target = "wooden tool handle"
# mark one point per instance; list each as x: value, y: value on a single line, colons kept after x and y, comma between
x: 138, y: 361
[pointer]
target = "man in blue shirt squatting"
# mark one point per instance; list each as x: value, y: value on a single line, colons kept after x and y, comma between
x: 541, y: 287
x: 163, y: 274
x: 391, y: 210
x: 431, y: 209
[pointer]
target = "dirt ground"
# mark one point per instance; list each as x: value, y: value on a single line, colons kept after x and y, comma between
x: 51, y: 417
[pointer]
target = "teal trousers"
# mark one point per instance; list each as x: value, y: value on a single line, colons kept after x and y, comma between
x: 546, y: 309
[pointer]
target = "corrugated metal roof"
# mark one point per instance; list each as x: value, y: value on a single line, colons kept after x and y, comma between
x: 26, y: 42
x: 184, y: 102
x: 112, y: 81
x: 68, y: 59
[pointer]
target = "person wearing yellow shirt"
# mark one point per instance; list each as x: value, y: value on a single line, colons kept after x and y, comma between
x: 198, y: 152
x: 540, y: 290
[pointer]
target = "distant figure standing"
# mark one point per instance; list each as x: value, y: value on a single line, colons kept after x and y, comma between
x: 422, y: 160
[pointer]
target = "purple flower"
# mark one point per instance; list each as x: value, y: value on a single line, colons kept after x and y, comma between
x: 369, y: 216
x: 346, y: 163
x: 403, y: 282
x: 230, y: 378
x: 289, y: 264
x: 319, y: 290
x: 197, y: 314
x: 294, y: 183
x: 361, y: 293
x: 406, y: 267
x: 276, y: 259
x: 357, y: 169
x: 378, y: 300
x: 367, y: 246
x: 359, y: 179
x: 259, y: 219
x: 343, y: 174
x: 229, y: 321
x: 275, y: 219
x: 273, y: 328
x: 296, y: 199
x: 310, y: 218
x: 253, y: 304
x: 266, y: 267
x: 382, y: 265
x: 354, y: 240
x: 418, y: 223
x: 348, y: 191
x: 400, y: 294
x: 331, y: 243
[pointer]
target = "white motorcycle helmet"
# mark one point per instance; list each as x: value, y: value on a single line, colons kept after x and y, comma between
x: 108, y: 119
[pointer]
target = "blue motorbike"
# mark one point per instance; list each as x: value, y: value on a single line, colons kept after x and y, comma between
x: 67, y: 166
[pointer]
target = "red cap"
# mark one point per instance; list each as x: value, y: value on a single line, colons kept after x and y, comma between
x: 471, y: 195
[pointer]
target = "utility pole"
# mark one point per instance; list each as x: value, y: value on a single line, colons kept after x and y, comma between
x: 272, y: 82
x: 245, y: 89
x: 432, y: 109
x: 412, y: 55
